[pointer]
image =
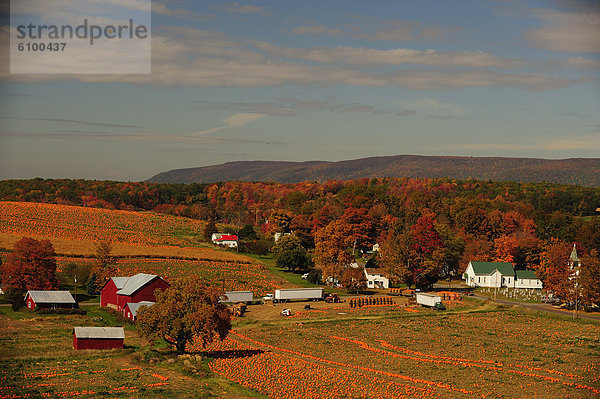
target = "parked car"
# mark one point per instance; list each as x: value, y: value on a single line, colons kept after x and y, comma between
x: 286, y: 312
x: 304, y: 276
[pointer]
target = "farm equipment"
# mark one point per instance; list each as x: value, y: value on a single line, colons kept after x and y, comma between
x: 238, y: 309
x: 332, y: 298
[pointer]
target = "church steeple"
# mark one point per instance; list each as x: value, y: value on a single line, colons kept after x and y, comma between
x: 574, y: 259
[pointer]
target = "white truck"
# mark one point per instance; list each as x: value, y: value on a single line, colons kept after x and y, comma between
x: 238, y: 296
x: 430, y: 300
x: 286, y: 294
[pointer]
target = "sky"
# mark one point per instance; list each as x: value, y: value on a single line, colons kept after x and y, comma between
x: 316, y: 80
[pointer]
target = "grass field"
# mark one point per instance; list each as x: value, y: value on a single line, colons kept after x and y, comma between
x: 37, y: 360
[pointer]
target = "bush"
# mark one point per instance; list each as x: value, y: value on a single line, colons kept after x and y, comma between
x: 62, y: 311
x: 314, y: 276
x: 256, y: 247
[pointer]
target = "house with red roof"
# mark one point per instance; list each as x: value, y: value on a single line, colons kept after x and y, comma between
x: 229, y: 240
x: 119, y: 291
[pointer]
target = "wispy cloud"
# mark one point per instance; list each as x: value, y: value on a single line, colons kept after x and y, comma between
x: 290, y: 106
x: 317, y: 29
x: 581, y: 62
x: 369, y: 56
x: 123, y: 136
x: 242, y: 9
x: 432, y: 108
x: 550, y: 144
x: 233, y: 121
x: 568, y: 31
x: 189, y: 57
x: 76, y: 121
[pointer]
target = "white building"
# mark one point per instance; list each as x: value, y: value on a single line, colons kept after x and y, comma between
x: 375, y: 279
x: 490, y: 274
x: 500, y: 274
x: 527, y: 279
x: 229, y: 240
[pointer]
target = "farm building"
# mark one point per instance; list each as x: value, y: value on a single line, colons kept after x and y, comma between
x: 130, y: 310
x: 375, y: 279
x: 527, y: 279
x: 119, y: 291
x: 49, y: 300
x: 98, y: 337
x: 489, y: 274
x: 229, y: 240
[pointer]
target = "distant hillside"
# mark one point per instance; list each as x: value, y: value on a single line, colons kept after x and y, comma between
x: 579, y: 171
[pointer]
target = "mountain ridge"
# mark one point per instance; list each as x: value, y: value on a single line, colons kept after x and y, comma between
x: 577, y: 171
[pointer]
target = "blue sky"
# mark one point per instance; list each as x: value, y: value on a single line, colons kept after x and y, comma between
x: 318, y: 80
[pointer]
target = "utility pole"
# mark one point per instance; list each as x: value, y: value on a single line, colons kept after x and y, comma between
x: 75, y: 277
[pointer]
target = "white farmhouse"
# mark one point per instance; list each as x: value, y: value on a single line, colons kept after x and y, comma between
x: 376, y: 279
x: 490, y: 274
x: 527, y: 279
x: 229, y: 240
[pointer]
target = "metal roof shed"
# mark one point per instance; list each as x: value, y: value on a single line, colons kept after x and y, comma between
x: 98, y: 337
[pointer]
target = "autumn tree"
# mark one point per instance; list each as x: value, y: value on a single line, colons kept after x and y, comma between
x: 554, y: 268
x: 290, y: 253
x: 353, y: 279
x: 590, y: 278
x: 105, y: 260
x: 331, y: 249
x: 187, y: 311
x: 81, y: 271
x: 210, y: 229
x: 31, y: 266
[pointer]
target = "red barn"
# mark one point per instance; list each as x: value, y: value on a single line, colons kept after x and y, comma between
x: 119, y: 291
x: 98, y: 337
x: 130, y: 310
x: 49, y: 299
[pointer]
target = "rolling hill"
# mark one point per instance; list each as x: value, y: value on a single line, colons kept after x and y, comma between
x: 578, y: 171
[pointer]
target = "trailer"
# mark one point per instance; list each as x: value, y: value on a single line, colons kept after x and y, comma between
x: 430, y: 300
x: 238, y: 296
x: 284, y: 295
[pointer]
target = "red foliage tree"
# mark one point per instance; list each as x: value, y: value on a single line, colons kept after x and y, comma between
x: 554, y: 268
x: 31, y: 266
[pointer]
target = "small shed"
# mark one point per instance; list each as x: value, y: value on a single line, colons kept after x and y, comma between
x: 49, y: 299
x: 130, y: 310
x: 98, y: 337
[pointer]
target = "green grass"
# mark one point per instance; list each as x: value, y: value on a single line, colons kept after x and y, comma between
x: 37, y: 359
x: 294, y: 277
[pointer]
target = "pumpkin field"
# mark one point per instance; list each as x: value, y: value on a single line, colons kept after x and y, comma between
x: 494, y: 353
x: 228, y: 275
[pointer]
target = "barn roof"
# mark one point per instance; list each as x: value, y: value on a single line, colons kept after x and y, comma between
x: 134, y: 306
x: 51, y: 296
x: 99, y: 332
x: 119, y: 281
x: 526, y: 274
x: 505, y: 268
x: 134, y: 283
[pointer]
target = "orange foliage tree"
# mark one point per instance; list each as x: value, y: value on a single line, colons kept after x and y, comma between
x: 188, y: 310
x: 31, y: 266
